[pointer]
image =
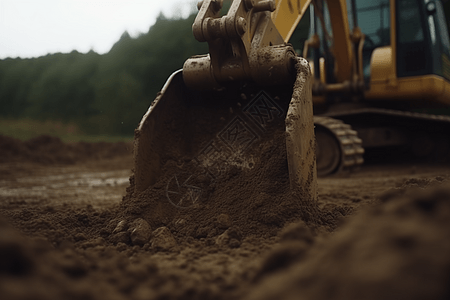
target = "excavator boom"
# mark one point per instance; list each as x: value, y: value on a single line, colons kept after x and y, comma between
x: 287, y: 15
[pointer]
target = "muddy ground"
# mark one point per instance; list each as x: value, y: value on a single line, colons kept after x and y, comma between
x: 66, y: 233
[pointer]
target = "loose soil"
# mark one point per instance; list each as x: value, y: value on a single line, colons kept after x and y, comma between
x: 72, y: 228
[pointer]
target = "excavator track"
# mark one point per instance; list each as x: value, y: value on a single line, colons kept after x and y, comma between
x: 394, y: 113
x: 416, y: 135
x: 338, y: 146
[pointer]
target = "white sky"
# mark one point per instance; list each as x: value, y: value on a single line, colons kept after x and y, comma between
x: 31, y: 28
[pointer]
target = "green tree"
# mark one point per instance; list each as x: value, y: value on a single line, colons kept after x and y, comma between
x: 104, y: 93
x: 64, y: 90
x: 119, y: 105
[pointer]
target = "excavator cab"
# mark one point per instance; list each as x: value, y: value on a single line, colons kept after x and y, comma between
x: 381, y: 72
x: 422, y: 32
x: 223, y: 109
x: 411, y: 36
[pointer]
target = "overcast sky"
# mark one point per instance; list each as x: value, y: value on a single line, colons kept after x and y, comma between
x: 32, y: 28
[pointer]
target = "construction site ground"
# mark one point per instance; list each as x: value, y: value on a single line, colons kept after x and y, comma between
x: 389, y: 239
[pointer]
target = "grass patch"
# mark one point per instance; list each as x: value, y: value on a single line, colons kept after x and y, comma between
x: 25, y: 129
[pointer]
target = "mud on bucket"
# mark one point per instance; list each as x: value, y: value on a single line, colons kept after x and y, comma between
x: 189, y: 140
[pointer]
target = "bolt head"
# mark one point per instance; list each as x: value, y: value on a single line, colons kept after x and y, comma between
x: 241, y: 25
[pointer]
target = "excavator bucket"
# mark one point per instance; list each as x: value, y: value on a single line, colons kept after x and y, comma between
x: 188, y: 138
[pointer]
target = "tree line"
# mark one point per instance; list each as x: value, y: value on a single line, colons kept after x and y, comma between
x: 103, y: 94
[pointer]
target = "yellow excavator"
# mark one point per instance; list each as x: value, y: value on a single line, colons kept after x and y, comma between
x: 368, y: 68
x: 381, y: 67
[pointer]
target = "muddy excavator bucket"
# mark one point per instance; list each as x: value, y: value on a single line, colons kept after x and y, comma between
x: 190, y: 138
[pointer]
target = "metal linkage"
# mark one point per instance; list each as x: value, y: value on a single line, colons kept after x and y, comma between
x: 243, y: 45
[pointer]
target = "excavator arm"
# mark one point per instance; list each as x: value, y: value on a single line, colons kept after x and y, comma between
x: 287, y: 15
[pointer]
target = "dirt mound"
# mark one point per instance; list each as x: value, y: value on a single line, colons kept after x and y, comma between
x: 51, y: 150
x: 398, y: 250
x: 255, y: 201
x: 36, y: 269
x: 72, y: 250
x: 67, y: 255
x: 48, y: 265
